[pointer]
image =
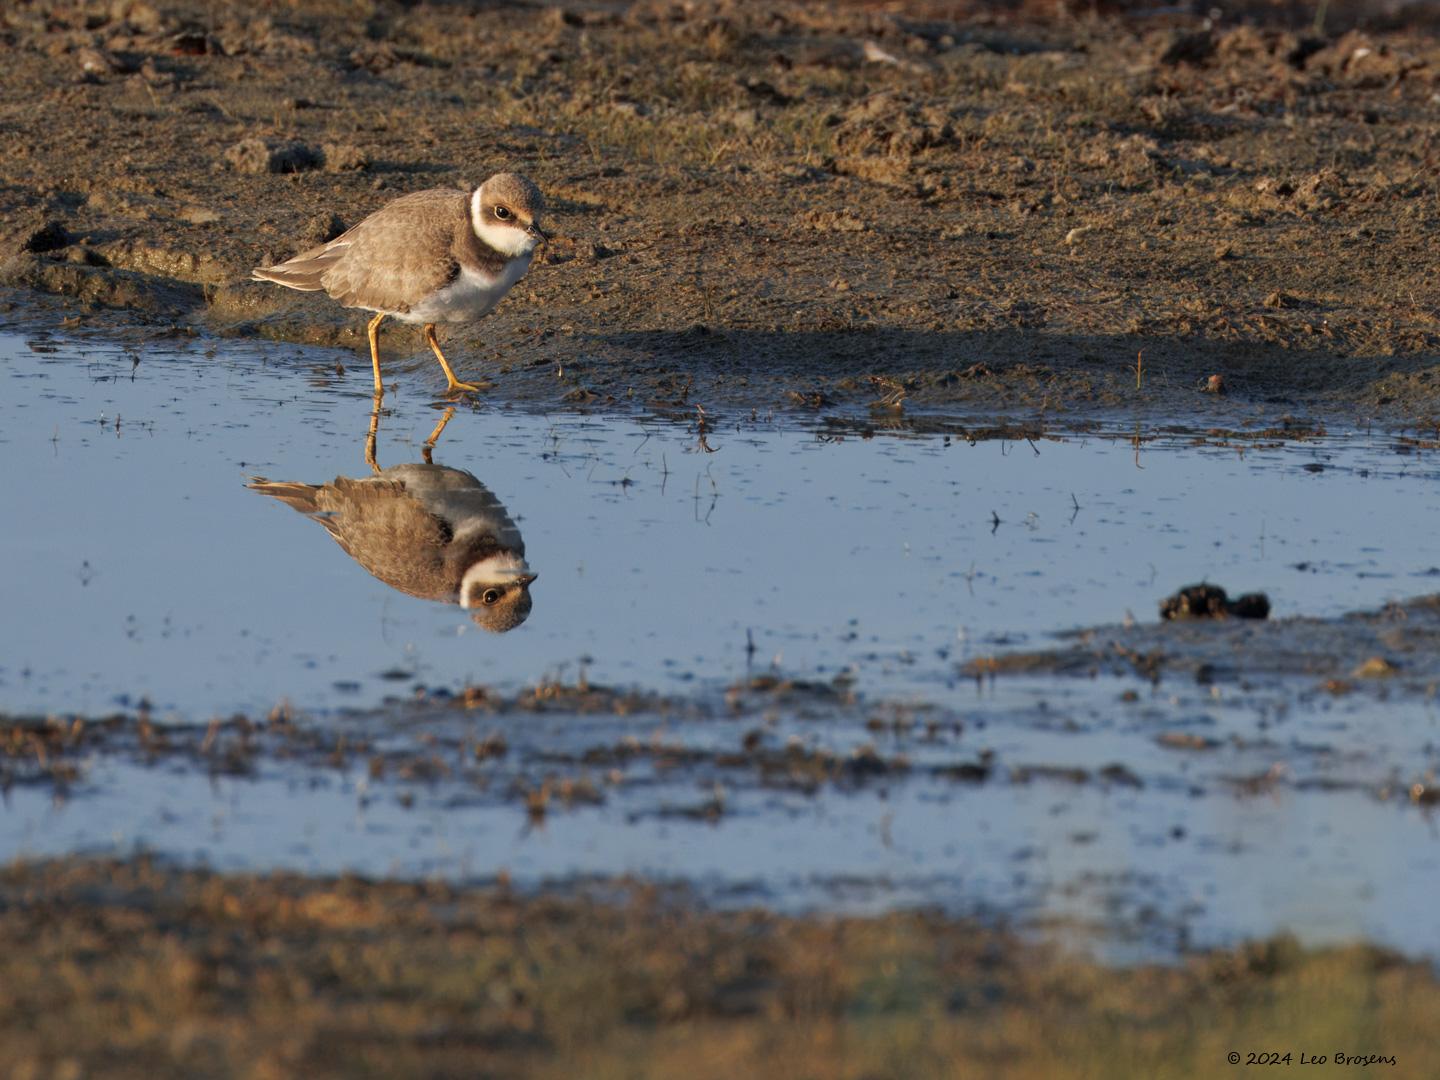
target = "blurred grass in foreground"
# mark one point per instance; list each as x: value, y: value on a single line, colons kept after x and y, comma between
x: 133, y: 969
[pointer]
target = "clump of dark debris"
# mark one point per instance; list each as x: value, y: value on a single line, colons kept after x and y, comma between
x: 1211, y: 602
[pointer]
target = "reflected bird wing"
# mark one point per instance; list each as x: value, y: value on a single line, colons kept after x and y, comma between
x: 389, y: 532
x: 382, y: 526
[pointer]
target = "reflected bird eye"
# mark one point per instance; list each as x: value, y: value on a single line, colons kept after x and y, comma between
x: 490, y: 596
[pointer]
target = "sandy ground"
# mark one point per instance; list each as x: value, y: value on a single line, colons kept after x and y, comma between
x: 772, y: 207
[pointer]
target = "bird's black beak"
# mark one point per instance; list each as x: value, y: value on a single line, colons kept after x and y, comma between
x: 537, y: 232
x: 525, y: 579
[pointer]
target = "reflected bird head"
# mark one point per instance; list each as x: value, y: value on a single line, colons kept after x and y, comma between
x: 498, y: 599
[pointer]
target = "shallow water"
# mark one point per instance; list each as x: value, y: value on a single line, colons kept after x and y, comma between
x: 135, y: 565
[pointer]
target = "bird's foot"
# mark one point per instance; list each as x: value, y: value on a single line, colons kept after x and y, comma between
x: 458, y: 387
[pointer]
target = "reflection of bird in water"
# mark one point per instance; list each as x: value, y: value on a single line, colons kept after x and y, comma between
x: 427, y: 530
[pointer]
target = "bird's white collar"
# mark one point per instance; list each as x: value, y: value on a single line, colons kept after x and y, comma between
x: 501, y: 569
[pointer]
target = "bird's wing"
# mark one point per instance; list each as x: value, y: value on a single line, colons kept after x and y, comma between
x: 390, y: 260
x: 388, y: 532
x: 398, y: 255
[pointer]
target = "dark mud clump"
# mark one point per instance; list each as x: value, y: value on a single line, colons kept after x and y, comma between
x: 272, y: 156
x: 1212, y: 602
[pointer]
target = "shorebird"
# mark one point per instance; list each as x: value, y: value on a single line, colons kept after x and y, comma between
x: 431, y: 256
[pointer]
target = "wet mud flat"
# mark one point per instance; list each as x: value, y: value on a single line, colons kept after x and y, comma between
x: 148, y: 966
x: 1177, y: 803
x: 798, y: 209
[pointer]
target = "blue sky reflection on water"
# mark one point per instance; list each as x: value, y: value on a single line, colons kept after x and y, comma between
x: 136, y: 564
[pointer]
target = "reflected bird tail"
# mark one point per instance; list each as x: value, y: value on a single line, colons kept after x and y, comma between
x: 298, y: 496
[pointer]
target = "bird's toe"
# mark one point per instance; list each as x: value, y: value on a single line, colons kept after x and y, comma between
x: 458, y: 387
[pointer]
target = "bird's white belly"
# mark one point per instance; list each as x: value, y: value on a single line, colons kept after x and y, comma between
x: 472, y: 295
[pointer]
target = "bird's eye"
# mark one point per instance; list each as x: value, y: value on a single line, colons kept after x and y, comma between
x: 490, y: 596
x: 503, y: 213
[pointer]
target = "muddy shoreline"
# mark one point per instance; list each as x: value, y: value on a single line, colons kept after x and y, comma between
x: 804, y: 211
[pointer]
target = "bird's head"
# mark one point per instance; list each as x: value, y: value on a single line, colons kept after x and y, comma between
x: 496, y: 592
x: 505, y: 212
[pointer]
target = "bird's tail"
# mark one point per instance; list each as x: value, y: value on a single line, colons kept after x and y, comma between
x: 305, y: 271
x: 292, y: 493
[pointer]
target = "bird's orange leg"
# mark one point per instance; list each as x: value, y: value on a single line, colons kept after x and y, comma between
x: 373, y: 329
x: 455, y: 384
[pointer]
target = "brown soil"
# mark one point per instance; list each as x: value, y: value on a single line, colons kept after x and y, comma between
x: 134, y: 969
x: 775, y: 206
